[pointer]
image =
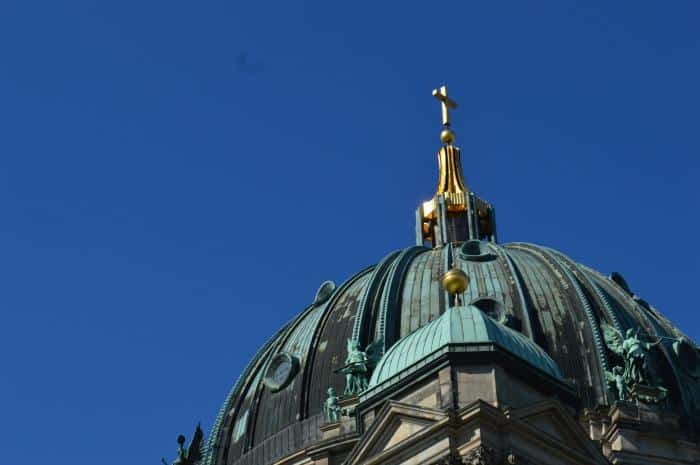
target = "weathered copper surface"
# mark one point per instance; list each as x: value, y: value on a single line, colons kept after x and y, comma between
x: 552, y: 300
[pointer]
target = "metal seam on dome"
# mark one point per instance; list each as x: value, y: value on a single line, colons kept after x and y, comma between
x: 627, y: 298
x: 216, y: 427
x: 518, y: 284
x: 238, y: 385
x: 417, y: 299
x: 410, y: 319
x: 368, y: 296
x: 392, y: 296
x: 566, y: 262
x: 548, y: 295
x: 637, y: 310
x: 606, y: 303
x: 311, y: 357
x: 436, y: 297
x: 533, y: 288
x: 255, y: 404
x: 290, y: 328
x: 492, y: 280
x: 426, y: 282
x: 595, y: 330
x: 596, y: 288
x: 276, y: 342
x: 599, y: 363
x: 408, y: 352
x: 297, y: 344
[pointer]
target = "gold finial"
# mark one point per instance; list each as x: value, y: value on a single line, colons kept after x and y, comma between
x: 455, y: 282
x: 447, y: 136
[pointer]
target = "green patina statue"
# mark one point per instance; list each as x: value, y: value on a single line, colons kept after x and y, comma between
x: 358, y: 366
x: 356, y: 369
x: 617, y: 379
x: 192, y: 454
x: 635, y: 379
x: 331, y: 407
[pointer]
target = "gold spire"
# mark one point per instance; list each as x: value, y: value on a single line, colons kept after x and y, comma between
x: 451, y: 181
x: 454, y: 214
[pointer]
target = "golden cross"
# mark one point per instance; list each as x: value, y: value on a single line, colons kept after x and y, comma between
x: 447, y: 103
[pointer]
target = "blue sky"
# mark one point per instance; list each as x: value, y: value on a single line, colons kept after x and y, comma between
x: 177, y: 178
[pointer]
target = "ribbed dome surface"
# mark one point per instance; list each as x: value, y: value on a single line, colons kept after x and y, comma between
x: 554, y: 303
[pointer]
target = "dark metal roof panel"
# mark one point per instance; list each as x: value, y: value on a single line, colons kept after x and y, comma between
x: 332, y: 342
x: 279, y: 409
x: 556, y: 316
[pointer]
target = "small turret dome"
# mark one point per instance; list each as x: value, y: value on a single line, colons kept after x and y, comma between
x: 460, y: 329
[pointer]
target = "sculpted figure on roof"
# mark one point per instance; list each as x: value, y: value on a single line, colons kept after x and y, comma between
x: 331, y: 407
x: 189, y: 455
x: 358, y: 366
x: 637, y: 376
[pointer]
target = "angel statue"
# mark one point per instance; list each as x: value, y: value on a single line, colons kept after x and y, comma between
x: 637, y: 379
x: 359, y: 365
x: 192, y: 454
x: 331, y: 407
x: 633, y: 351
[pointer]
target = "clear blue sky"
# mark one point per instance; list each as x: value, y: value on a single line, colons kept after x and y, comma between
x: 177, y: 178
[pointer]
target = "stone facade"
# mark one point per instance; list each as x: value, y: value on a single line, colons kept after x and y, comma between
x: 455, y: 413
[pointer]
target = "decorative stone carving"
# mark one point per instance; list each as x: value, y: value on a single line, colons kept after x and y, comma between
x: 482, y: 455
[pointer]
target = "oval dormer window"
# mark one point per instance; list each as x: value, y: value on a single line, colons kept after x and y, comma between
x: 283, y: 367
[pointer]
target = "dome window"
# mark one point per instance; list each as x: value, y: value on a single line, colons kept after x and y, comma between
x: 476, y: 251
x: 281, y: 371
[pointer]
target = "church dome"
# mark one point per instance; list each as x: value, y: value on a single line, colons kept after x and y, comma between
x: 553, y: 304
x: 530, y: 302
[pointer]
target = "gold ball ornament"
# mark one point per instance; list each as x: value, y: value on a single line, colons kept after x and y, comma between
x: 455, y: 281
x: 447, y: 136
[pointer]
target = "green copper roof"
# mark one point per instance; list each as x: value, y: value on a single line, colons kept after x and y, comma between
x: 541, y: 295
x: 460, y: 326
